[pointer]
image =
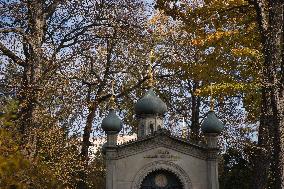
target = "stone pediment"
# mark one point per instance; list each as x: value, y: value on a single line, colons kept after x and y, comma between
x: 161, y: 138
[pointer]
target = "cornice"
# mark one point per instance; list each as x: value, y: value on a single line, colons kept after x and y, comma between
x: 162, y: 138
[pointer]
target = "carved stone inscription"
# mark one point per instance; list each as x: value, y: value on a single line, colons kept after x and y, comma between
x: 162, y: 154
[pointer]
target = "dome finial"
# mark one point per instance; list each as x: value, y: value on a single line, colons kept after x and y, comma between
x: 150, y: 69
x: 211, y: 124
x: 152, y: 56
x: 112, y: 123
x: 211, y: 98
x: 112, y: 103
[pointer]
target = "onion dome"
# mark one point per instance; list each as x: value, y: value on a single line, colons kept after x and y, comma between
x: 111, y: 123
x: 150, y: 104
x: 212, y: 124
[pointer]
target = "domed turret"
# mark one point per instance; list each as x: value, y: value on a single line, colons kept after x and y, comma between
x: 150, y: 104
x: 111, y: 123
x: 211, y: 124
x: 150, y: 109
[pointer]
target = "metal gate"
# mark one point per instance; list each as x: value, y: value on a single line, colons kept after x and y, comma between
x: 161, y: 179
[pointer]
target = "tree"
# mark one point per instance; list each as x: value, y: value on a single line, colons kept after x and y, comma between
x: 50, y: 37
x: 270, y: 22
x: 235, y: 170
x: 43, y: 31
x: 268, y: 15
x: 197, y: 59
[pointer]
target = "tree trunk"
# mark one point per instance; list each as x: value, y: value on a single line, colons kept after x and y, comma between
x: 195, y: 109
x: 33, y: 60
x: 281, y: 112
x: 87, y: 131
x: 281, y: 124
x: 261, y: 156
x: 270, y: 20
x: 82, y: 183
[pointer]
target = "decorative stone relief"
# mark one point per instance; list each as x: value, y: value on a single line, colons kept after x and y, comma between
x: 161, y: 141
x: 161, y: 165
x: 162, y: 154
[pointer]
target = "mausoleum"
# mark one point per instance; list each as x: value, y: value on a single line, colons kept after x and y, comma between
x: 157, y: 159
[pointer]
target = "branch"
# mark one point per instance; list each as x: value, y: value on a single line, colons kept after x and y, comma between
x: 261, y: 16
x: 84, y: 82
x: 92, y: 71
x: 75, y: 34
x: 51, y: 8
x: 126, y: 91
x: 233, y: 8
x: 16, y: 30
x: 12, y: 55
x: 106, y: 73
x: 251, y: 2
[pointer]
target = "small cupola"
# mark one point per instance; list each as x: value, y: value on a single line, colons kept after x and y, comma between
x: 150, y: 109
x: 112, y: 124
x: 150, y: 104
x: 211, y: 124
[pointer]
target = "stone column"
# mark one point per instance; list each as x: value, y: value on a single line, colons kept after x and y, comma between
x: 212, y: 162
x: 110, y: 161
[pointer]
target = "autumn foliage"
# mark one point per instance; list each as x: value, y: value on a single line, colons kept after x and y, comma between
x: 59, y: 58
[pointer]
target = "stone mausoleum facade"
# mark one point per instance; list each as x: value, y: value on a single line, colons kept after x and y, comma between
x: 157, y: 159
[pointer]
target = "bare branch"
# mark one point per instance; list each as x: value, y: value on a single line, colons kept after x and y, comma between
x: 128, y: 90
x: 233, y: 8
x: 11, y: 55
x: 84, y: 82
x: 16, y: 30
x: 52, y: 7
x: 110, y: 47
x: 124, y: 92
x: 262, y: 17
x: 76, y: 33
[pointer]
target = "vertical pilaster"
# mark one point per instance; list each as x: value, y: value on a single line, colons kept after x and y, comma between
x: 110, y: 161
x: 212, y: 161
x: 212, y: 166
x: 111, y: 140
x: 110, y: 168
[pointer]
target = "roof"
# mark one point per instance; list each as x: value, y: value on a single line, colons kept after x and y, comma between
x: 162, y: 138
x: 150, y: 103
x: 212, y: 124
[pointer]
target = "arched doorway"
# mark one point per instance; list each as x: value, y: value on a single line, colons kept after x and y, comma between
x: 161, y: 179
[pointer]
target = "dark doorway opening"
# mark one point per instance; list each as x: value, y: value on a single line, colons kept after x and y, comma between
x: 161, y: 179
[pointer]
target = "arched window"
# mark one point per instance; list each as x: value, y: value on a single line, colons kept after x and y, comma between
x: 151, y: 128
x: 161, y: 179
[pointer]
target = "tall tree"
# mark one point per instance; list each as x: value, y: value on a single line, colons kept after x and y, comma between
x: 268, y: 15
x: 270, y: 22
x: 198, y: 56
x: 42, y: 31
x: 64, y: 55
